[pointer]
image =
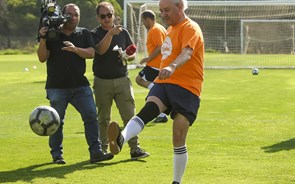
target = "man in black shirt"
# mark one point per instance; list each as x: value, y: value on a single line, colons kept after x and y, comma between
x: 66, y: 82
x: 111, y: 81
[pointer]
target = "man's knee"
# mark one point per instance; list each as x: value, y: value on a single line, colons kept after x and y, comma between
x: 138, y: 80
x: 149, y: 112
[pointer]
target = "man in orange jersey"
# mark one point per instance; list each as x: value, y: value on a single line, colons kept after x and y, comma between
x: 155, y: 38
x: 177, y: 88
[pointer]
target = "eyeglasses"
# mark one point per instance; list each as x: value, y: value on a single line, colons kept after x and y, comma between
x: 103, y: 16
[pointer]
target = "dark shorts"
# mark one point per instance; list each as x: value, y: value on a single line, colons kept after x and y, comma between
x: 148, y: 73
x: 178, y: 100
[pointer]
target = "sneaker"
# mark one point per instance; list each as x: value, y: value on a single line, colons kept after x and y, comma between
x: 161, y: 119
x: 139, y: 153
x: 115, y: 137
x: 59, y: 160
x: 174, y: 182
x: 100, y: 157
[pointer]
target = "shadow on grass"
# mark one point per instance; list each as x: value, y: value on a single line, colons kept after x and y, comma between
x: 39, y: 82
x: 28, y: 174
x: 284, y: 145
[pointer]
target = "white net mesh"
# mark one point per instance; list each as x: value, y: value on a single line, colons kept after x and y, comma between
x: 237, y: 34
x: 267, y: 36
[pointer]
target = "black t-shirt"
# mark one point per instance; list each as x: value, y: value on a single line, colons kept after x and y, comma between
x: 66, y: 69
x: 110, y: 65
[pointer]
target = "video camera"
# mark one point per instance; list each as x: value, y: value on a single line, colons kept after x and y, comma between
x: 51, y: 17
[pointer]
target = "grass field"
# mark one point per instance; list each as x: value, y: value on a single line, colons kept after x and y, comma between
x: 244, y: 134
x: 250, y: 60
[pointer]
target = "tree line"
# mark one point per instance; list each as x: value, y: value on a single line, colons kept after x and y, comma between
x: 19, y: 19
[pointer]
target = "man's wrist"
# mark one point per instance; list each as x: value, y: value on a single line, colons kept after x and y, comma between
x: 174, y: 65
x: 41, y: 37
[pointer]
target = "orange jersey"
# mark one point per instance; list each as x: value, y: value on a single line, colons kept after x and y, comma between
x: 190, y: 75
x: 155, y: 38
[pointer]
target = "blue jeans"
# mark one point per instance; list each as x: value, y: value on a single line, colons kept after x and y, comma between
x: 82, y: 99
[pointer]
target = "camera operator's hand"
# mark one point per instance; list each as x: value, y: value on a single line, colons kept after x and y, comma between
x: 69, y: 46
x: 42, y: 32
x: 82, y: 52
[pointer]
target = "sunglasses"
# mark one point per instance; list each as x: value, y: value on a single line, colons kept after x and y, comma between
x: 103, y: 16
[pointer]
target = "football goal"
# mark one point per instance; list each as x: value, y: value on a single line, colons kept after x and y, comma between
x: 267, y: 36
x: 237, y: 34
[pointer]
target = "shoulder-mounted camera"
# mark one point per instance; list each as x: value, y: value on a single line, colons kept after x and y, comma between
x: 51, y: 17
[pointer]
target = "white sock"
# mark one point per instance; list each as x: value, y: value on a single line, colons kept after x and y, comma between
x: 180, y: 161
x: 150, y: 85
x: 133, y: 128
x: 162, y: 115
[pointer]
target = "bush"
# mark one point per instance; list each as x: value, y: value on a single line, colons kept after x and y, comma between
x: 14, y: 52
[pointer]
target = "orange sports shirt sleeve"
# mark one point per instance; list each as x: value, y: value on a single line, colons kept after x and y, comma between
x: 189, y: 75
x: 155, y: 38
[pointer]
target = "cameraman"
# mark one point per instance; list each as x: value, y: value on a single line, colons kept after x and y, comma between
x: 66, y: 82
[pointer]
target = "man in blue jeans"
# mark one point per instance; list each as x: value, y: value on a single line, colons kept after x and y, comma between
x: 66, y: 82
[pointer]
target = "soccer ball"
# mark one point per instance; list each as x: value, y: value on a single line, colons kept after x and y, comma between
x: 44, y: 120
x: 255, y: 71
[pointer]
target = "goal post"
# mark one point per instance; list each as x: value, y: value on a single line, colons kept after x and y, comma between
x: 229, y: 30
x: 133, y: 22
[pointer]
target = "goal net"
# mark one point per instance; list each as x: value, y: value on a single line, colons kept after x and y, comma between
x: 237, y: 34
x: 267, y: 36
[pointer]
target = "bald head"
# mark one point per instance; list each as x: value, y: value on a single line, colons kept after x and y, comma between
x: 172, y: 11
x: 183, y: 3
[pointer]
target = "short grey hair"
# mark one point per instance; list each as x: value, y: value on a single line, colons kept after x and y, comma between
x: 184, y: 2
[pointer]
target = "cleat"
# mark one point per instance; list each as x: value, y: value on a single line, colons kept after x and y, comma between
x: 161, y: 119
x: 115, y: 137
x: 139, y: 153
x: 100, y: 157
x: 59, y: 160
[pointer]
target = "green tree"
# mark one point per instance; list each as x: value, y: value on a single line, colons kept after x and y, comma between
x: 19, y: 19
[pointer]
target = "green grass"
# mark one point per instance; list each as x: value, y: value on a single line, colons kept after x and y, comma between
x: 244, y: 133
x: 249, y: 60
